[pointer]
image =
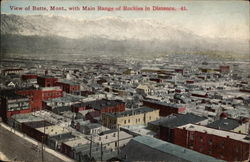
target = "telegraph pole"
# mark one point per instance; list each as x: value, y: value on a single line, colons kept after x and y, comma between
x: 90, y: 150
x: 43, y: 140
x: 118, y: 136
x: 101, y: 152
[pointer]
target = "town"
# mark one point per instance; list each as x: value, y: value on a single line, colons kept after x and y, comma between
x: 107, y: 108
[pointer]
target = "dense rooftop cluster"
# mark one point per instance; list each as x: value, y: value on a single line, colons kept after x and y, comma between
x: 173, y: 108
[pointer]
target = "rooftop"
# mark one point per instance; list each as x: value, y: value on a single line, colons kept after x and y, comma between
x: 77, y: 142
x: 165, y: 104
x: 53, y: 130
x: 137, y: 111
x: 100, y: 104
x: 181, y: 119
x: 152, y: 148
x: 225, y: 124
x: 38, y: 124
x: 46, y: 76
x: 221, y: 133
x: 68, y: 82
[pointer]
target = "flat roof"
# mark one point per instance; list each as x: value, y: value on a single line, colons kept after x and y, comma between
x: 221, y: 133
x: 137, y: 111
x: 225, y: 124
x: 68, y: 82
x: 165, y: 104
x: 77, y: 142
x: 182, y: 119
x: 53, y: 130
x: 100, y: 104
x: 108, y: 138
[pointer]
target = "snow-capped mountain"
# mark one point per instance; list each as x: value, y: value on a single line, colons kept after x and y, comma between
x: 112, y: 35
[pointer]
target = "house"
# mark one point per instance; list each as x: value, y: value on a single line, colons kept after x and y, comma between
x: 143, y: 89
x: 93, y: 128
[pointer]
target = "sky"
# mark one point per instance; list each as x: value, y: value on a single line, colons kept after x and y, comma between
x: 224, y: 19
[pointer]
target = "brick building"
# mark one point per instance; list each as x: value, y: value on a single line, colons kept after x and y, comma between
x: 224, y: 69
x: 165, y: 108
x: 167, y: 126
x: 38, y: 95
x: 46, y: 81
x: 220, y: 144
x: 29, y: 76
x: 12, y: 103
x: 102, y: 106
x: 69, y: 86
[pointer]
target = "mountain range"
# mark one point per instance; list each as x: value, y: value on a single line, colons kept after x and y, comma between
x: 45, y: 34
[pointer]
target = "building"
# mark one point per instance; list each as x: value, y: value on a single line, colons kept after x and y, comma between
x: 224, y: 69
x: 220, y: 144
x: 201, y: 94
x: 234, y: 125
x: 46, y: 81
x: 93, y: 128
x: 11, y: 104
x: 30, y: 129
x: 167, y: 126
x: 72, y: 147
x: 55, y: 142
x: 38, y: 95
x: 12, y: 71
x: 45, y: 133
x: 69, y: 86
x: 109, y: 139
x: 66, y: 100
x: 28, y: 76
x: 165, y: 108
x: 101, y: 106
x: 145, y: 148
x: 140, y: 116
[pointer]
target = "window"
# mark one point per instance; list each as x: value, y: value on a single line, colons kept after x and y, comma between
x: 128, y: 120
x: 210, y: 142
x: 124, y: 121
x: 149, y: 117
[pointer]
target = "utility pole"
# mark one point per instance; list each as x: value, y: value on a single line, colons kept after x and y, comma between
x: 101, y: 153
x: 43, y: 140
x: 118, y: 136
x: 90, y: 149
